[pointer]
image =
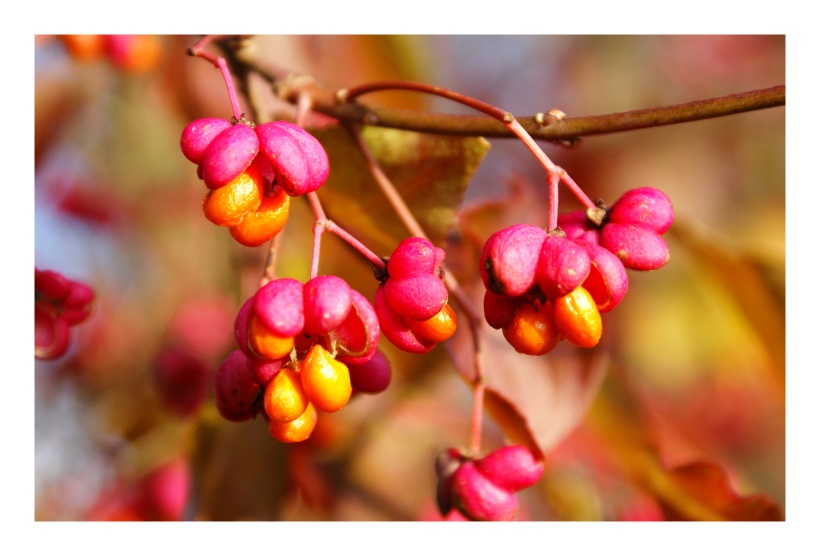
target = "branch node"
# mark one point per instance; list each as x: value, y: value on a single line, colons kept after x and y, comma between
x: 550, y: 117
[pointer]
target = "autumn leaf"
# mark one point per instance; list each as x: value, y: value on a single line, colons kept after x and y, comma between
x: 697, y: 490
x: 708, y: 484
x: 430, y: 172
x: 537, y: 401
x: 745, y: 281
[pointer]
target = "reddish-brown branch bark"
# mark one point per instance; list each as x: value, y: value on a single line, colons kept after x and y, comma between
x: 569, y: 128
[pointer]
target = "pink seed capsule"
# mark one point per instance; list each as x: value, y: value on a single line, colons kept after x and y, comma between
x: 646, y: 207
x: 51, y: 332
x: 262, y: 371
x: 512, y: 468
x: 243, y: 319
x: 418, y: 297
x: 198, y: 135
x: 234, y: 390
x: 480, y: 499
x: 395, y: 329
x: 50, y: 285
x: 228, y: 155
x: 327, y: 302
x: 638, y: 248
x: 447, y: 463
x: 509, y: 259
x: 77, y: 304
x: 499, y: 309
x: 357, y: 338
x: 372, y: 376
x: 577, y: 226
x: 563, y: 265
x: 181, y: 381
x: 414, y: 256
x: 279, y: 306
x: 163, y: 493
x: 298, y: 158
x: 607, y: 281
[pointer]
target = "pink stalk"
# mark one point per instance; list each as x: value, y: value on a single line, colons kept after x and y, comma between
x: 219, y: 62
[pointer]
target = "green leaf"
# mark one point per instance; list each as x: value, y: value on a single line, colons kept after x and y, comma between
x: 430, y: 172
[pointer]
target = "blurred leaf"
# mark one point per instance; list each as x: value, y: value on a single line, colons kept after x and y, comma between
x: 707, y: 483
x: 698, y: 490
x: 430, y: 172
x: 745, y: 280
x: 240, y: 471
x: 536, y: 401
x: 56, y: 98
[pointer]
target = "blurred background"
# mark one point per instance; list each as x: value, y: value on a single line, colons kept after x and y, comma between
x: 692, y: 365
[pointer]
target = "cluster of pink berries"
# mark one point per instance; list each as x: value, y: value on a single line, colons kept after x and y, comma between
x: 251, y: 171
x: 543, y: 287
x: 59, y: 304
x: 302, y: 348
x: 483, y: 489
x: 411, y: 302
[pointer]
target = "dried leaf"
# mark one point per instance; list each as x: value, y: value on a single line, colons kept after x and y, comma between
x: 537, y: 401
x: 430, y: 172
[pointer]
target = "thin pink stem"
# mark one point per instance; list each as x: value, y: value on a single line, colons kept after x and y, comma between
x: 347, y: 95
x: 321, y: 222
x: 269, y: 274
x: 474, y: 317
x: 478, y: 416
x: 506, y: 118
x: 355, y: 243
x: 319, y: 226
x: 219, y: 62
x: 552, y: 183
x: 393, y: 197
x: 576, y: 190
x: 226, y: 74
x: 549, y: 165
